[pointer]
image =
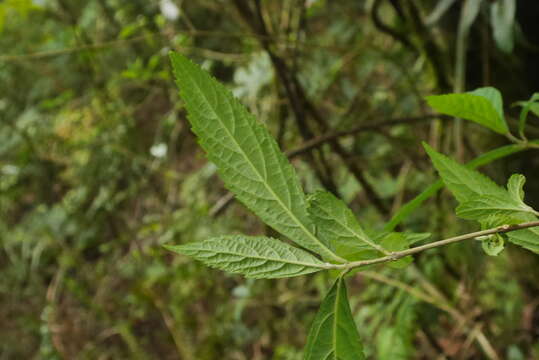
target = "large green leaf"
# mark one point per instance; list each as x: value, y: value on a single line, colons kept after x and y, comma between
x: 333, y: 334
x: 248, y: 158
x: 483, y: 106
x: 252, y: 256
x: 337, y: 225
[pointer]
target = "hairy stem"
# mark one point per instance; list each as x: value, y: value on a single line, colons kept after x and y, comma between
x: 400, y: 254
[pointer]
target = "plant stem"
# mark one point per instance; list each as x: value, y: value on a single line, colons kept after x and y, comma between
x: 400, y: 254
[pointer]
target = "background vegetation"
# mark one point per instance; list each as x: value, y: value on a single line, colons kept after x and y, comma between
x: 98, y: 168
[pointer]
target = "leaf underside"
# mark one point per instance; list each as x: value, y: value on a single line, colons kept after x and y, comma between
x: 252, y: 256
x: 333, y: 334
x: 247, y: 157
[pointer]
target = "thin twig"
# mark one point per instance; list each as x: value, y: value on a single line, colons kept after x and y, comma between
x: 320, y: 140
x: 400, y: 254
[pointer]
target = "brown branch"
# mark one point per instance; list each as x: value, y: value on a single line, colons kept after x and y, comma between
x: 321, y: 140
x: 380, y: 25
x: 254, y: 18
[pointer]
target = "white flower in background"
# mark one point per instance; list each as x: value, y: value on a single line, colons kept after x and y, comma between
x: 159, y: 150
x: 169, y: 10
x: 10, y: 169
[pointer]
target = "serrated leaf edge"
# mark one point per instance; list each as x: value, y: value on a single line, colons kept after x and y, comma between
x: 326, y: 250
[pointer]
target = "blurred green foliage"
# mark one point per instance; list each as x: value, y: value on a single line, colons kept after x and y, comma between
x: 98, y: 168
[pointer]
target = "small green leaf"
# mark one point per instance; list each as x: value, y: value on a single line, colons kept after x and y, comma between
x: 464, y: 183
x: 413, y: 238
x: 483, y: 106
x: 247, y: 157
x: 515, y: 187
x: 502, y: 19
x: 337, y: 225
x: 333, y: 334
x: 397, y: 242
x: 493, y: 244
x: 531, y: 105
x: 252, y: 256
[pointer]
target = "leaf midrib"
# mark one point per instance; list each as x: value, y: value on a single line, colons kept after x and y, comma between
x: 290, y: 213
x: 228, y: 252
x: 335, y: 319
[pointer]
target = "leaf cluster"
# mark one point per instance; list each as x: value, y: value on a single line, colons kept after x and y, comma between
x: 252, y: 166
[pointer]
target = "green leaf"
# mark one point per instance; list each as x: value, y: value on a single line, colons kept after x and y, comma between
x: 397, y: 242
x: 493, y: 244
x: 479, y: 207
x: 486, y: 158
x: 337, y: 225
x: 471, y: 186
x: 464, y: 183
x: 247, y: 157
x: 527, y: 238
x: 333, y: 334
x: 413, y: 238
x: 502, y: 18
x: 534, y: 108
x: 253, y: 256
x: 483, y: 106
x: 494, y: 96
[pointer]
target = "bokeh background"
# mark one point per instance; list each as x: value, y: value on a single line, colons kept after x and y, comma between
x: 98, y: 169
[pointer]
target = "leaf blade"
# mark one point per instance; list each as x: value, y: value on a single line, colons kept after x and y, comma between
x: 333, y: 334
x: 248, y: 158
x: 527, y: 238
x: 479, y: 207
x: 482, y: 106
x: 252, y: 256
x: 463, y: 182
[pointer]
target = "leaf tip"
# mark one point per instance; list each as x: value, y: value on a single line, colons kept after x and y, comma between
x: 174, y: 248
